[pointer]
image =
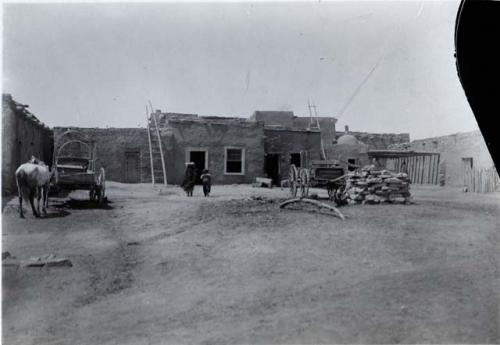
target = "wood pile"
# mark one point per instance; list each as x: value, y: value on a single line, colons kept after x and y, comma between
x: 370, y: 186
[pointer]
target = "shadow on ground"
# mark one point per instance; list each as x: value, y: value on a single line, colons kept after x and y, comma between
x: 79, y: 204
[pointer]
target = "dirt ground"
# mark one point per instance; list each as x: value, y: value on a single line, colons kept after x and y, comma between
x: 157, y: 267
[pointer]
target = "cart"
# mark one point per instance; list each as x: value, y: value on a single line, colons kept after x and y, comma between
x: 75, y: 167
x: 327, y: 174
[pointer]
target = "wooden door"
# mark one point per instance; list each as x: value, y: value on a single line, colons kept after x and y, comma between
x: 132, y: 167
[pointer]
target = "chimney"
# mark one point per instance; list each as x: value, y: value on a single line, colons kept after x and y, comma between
x: 346, y: 129
x: 158, y: 111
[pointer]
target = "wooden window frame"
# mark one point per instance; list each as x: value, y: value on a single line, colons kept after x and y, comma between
x: 242, y: 173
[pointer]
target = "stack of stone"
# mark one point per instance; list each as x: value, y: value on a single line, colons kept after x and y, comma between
x: 370, y: 186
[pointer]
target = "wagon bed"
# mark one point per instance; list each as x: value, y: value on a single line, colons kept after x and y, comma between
x: 76, y: 170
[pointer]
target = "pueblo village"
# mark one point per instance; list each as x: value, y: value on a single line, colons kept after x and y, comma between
x: 270, y: 227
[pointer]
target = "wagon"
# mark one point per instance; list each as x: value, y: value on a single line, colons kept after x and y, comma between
x: 75, y: 167
x: 327, y: 174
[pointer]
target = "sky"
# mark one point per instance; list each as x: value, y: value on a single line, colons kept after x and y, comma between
x: 382, y: 67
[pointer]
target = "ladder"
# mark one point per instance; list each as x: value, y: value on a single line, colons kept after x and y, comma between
x: 157, y: 161
x: 311, y: 126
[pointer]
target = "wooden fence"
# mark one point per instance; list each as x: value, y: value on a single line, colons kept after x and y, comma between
x: 421, y: 167
x: 481, y: 180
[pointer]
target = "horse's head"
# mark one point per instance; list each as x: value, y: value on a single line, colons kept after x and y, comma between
x: 35, y: 160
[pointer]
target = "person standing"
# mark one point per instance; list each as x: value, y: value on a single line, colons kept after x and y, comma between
x: 206, y: 180
x: 189, y: 179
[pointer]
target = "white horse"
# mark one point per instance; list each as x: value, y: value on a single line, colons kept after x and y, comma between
x: 32, y: 180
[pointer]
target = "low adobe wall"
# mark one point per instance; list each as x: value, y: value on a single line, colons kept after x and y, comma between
x: 380, y: 141
x: 23, y: 136
x: 112, y: 144
x: 452, y: 149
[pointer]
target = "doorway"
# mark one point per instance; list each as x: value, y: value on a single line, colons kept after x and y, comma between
x: 272, y: 168
x: 350, y: 164
x: 200, y: 162
x: 295, y: 159
x: 132, y: 167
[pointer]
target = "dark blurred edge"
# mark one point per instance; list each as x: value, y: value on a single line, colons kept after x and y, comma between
x: 477, y: 45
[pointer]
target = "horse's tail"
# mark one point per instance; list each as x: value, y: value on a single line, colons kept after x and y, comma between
x: 22, y: 183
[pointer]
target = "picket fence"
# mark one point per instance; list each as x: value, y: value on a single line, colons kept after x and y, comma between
x: 482, y: 180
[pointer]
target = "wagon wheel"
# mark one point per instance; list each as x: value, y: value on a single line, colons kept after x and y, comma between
x: 331, y: 192
x: 100, y: 188
x: 292, y: 180
x: 92, y: 194
x: 340, y: 196
x: 305, y: 180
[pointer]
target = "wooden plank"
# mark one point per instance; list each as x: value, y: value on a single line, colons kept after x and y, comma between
x: 150, y: 146
x: 422, y: 172
x: 417, y: 170
x: 413, y: 174
x: 431, y: 170
x: 437, y: 168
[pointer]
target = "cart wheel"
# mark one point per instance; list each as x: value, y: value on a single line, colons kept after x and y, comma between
x: 101, y: 187
x: 305, y: 180
x: 92, y: 194
x: 292, y: 180
x: 331, y: 192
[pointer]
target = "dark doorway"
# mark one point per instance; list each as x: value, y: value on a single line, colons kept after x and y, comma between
x: 272, y: 168
x: 132, y: 167
x: 295, y: 159
x: 349, y: 166
x: 198, y: 158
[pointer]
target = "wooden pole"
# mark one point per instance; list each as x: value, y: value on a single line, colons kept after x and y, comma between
x: 150, y: 148
x: 314, y: 202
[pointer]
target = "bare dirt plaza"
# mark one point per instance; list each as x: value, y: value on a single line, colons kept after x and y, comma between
x: 155, y: 267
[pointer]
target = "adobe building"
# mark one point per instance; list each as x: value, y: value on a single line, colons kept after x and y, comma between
x: 460, y: 153
x: 23, y: 136
x: 235, y: 150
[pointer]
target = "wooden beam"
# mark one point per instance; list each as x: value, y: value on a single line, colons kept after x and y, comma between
x: 150, y: 147
x: 314, y: 202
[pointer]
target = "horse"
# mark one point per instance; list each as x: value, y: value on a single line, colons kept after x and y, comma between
x: 33, y: 179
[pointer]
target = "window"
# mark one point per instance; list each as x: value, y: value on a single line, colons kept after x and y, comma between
x: 467, y: 162
x: 235, y: 161
x: 295, y: 159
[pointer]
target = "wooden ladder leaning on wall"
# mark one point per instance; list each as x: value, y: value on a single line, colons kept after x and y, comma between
x: 158, y: 175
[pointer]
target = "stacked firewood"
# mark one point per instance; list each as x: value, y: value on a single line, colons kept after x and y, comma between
x: 370, y: 186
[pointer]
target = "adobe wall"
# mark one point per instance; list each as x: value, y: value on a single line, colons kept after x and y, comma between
x: 178, y: 136
x: 23, y: 135
x: 274, y: 118
x: 452, y: 149
x: 343, y: 152
x: 380, y: 141
x: 284, y: 142
x: 111, y: 146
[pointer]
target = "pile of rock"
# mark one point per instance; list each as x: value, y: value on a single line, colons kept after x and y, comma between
x: 370, y: 186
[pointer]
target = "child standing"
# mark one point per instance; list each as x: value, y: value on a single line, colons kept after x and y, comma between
x: 206, y: 180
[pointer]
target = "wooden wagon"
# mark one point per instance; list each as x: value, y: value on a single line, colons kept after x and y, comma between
x: 327, y: 174
x: 75, y: 167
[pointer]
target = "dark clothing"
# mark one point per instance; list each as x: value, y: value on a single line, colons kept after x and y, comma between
x: 189, y: 180
x: 206, y: 180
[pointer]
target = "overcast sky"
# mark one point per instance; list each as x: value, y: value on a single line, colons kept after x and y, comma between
x: 376, y: 66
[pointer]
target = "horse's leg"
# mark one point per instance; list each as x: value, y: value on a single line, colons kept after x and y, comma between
x: 38, y: 198
x: 31, y: 197
x: 20, y: 193
x: 45, y: 193
x: 46, y: 198
x: 21, y: 215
